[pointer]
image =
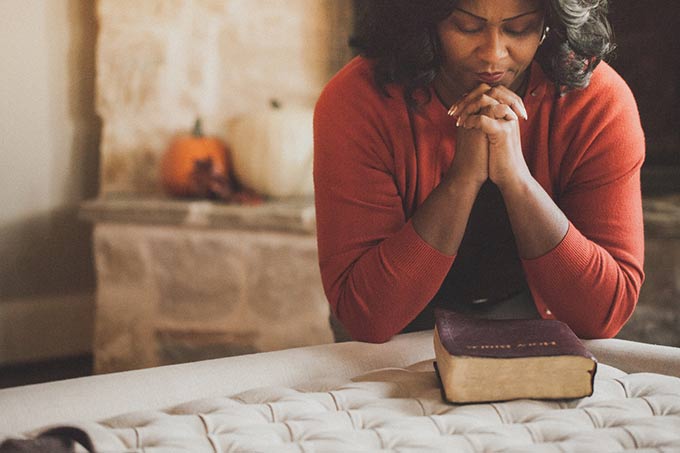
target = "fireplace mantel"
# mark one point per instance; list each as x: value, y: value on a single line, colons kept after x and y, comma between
x: 291, y: 215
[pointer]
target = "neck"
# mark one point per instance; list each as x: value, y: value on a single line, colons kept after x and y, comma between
x: 523, y: 83
x: 445, y: 87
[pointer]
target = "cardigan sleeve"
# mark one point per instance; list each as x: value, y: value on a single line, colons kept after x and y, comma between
x: 592, y: 279
x: 377, y: 272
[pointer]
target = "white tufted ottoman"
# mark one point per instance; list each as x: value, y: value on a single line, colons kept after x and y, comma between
x: 380, y: 408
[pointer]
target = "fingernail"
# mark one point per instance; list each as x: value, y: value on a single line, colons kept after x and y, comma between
x: 458, y: 122
x: 524, y: 111
x: 452, y: 110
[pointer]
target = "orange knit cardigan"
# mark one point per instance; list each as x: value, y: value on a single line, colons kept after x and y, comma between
x: 376, y: 161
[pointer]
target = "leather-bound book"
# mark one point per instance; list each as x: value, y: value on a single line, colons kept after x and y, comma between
x: 484, y: 360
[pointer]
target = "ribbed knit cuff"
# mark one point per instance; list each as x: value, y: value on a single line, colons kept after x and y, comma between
x: 573, y: 252
x: 408, y: 251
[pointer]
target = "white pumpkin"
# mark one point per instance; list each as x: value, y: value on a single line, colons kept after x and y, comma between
x: 272, y: 151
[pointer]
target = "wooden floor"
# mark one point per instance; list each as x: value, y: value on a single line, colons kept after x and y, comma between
x: 54, y: 370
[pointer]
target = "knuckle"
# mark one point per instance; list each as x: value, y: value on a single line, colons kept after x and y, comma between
x: 489, y: 100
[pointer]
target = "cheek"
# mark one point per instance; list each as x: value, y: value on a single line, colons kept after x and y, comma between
x: 455, y: 50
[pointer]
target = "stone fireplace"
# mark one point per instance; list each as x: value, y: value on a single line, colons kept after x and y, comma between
x: 183, y: 280
x: 162, y: 63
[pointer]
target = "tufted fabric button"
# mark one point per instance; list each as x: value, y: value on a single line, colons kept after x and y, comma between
x: 534, y: 94
x: 548, y: 312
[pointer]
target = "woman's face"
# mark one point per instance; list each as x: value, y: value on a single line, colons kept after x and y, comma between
x: 489, y: 41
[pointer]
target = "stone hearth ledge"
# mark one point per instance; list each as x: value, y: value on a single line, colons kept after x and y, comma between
x: 186, y: 280
x: 295, y: 215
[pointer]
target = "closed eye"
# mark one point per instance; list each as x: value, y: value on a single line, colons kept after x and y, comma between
x: 469, y: 30
x: 519, y: 32
x: 468, y: 26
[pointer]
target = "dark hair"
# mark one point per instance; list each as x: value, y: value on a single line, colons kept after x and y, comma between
x: 400, y: 35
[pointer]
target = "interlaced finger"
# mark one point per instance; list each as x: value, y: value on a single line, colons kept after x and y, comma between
x: 500, y: 112
x: 490, y: 119
x: 474, y: 94
x: 506, y: 96
x: 475, y: 108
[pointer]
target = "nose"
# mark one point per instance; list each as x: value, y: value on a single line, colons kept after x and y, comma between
x: 493, y: 48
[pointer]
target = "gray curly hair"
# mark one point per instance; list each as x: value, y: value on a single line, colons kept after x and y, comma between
x: 400, y: 36
x: 580, y: 37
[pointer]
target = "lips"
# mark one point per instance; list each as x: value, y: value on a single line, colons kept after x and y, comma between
x: 491, y: 77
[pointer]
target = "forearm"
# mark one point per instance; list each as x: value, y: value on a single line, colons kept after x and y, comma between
x: 392, y: 282
x: 377, y: 290
x: 538, y: 224
x: 441, y: 219
x: 586, y: 286
x: 377, y: 294
x: 590, y: 276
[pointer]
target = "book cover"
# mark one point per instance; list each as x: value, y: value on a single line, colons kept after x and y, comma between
x: 493, y: 360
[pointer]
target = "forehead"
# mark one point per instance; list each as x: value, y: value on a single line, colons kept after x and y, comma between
x: 497, y: 10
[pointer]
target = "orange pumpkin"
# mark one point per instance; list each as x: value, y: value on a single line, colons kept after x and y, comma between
x: 191, y: 162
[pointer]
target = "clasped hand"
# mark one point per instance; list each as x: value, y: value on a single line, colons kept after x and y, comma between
x: 488, y: 140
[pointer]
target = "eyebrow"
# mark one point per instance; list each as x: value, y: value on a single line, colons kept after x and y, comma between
x: 504, y: 20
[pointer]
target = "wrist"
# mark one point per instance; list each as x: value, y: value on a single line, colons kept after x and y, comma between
x: 462, y: 183
x: 517, y: 186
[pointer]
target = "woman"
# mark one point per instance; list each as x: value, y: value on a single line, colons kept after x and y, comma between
x: 478, y: 155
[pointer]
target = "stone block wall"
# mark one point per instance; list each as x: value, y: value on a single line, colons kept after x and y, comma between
x: 162, y: 63
x: 174, y: 286
x: 180, y: 281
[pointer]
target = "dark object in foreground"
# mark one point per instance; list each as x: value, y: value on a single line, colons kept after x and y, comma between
x: 483, y: 360
x: 61, y: 439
